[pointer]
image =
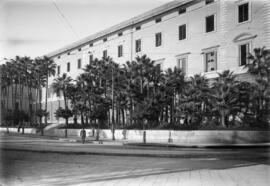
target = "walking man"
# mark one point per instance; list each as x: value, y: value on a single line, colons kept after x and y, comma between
x: 83, y: 135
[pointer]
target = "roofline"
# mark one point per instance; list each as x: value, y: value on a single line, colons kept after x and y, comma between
x: 123, y: 25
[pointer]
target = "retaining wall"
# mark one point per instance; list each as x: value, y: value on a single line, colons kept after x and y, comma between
x: 162, y: 136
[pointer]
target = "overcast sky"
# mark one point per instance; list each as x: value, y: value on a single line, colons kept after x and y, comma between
x: 36, y: 27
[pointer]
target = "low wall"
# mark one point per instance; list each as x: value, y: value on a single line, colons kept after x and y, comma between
x: 178, y: 137
x: 15, y: 130
x: 162, y: 136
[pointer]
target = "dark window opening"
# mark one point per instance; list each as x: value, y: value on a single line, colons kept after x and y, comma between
x: 158, y: 39
x: 58, y: 70
x: 79, y: 63
x: 182, y: 32
x: 104, y: 54
x: 120, y: 50
x: 209, y: 1
x: 182, y: 11
x: 91, y: 44
x: 68, y: 67
x: 90, y: 58
x: 79, y: 49
x: 210, y: 23
x: 68, y: 53
x: 243, y: 13
x: 59, y: 57
x: 138, y: 45
x: 105, y: 39
x: 138, y: 28
x: 158, y: 20
x: 120, y: 34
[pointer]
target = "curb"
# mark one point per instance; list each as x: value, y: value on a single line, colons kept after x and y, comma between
x: 214, y: 146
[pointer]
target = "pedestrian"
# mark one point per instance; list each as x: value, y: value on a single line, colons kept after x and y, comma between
x: 83, y: 135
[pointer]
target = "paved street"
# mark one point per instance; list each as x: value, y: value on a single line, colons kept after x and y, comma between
x: 192, y: 166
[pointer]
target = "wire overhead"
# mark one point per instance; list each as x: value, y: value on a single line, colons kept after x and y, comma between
x: 65, y: 19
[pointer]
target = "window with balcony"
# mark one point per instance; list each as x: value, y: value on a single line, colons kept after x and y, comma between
x: 182, y: 63
x: 244, y: 50
x: 210, y: 60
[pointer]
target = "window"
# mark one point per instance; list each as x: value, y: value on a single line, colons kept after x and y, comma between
x: 182, y: 11
x: 104, y: 53
x: 91, y: 58
x: 138, y: 45
x: 79, y: 63
x: 210, y: 61
x: 138, y: 28
x: 120, y: 50
x: 208, y: 1
x: 158, y: 20
x: 91, y: 44
x: 105, y: 39
x: 210, y: 23
x: 68, y: 66
x: 243, y: 54
x: 182, y: 32
x: 182, y: 64
x: 243, y: 13
x: 58, y: 69
x: 79, y: 49
x: 158, y: 39
x: 59, y: 57
x: 68, y: 53
x: 120, y: 34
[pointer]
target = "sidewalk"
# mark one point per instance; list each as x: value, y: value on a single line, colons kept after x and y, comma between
x: 46, y: 144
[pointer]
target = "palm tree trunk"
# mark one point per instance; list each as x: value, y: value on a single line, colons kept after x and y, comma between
x: 46, y: 99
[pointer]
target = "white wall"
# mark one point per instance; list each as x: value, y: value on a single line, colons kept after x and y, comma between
x: 227, y: 30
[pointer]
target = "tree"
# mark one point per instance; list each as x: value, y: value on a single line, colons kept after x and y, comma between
x: 224, y: 96
x: 49, y: 69
x: 65, y: 113
x: 260, y: 69
x: 41, y: 113
x: 61, y: 84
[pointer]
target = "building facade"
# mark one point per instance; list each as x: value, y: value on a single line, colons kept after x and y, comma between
x: 198, y: 36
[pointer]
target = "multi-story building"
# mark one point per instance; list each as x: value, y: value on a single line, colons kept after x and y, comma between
x: 199, y: 36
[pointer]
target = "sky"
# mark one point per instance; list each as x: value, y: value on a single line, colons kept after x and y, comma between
x: 37, y: 27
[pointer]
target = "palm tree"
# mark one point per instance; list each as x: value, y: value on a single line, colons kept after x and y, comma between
x: 61, y: 84
x: 50, y: 67
x: 260, y: 68
x: 224, y: 96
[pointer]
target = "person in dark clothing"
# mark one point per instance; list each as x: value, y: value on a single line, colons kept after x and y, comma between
x: 83, y: 135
